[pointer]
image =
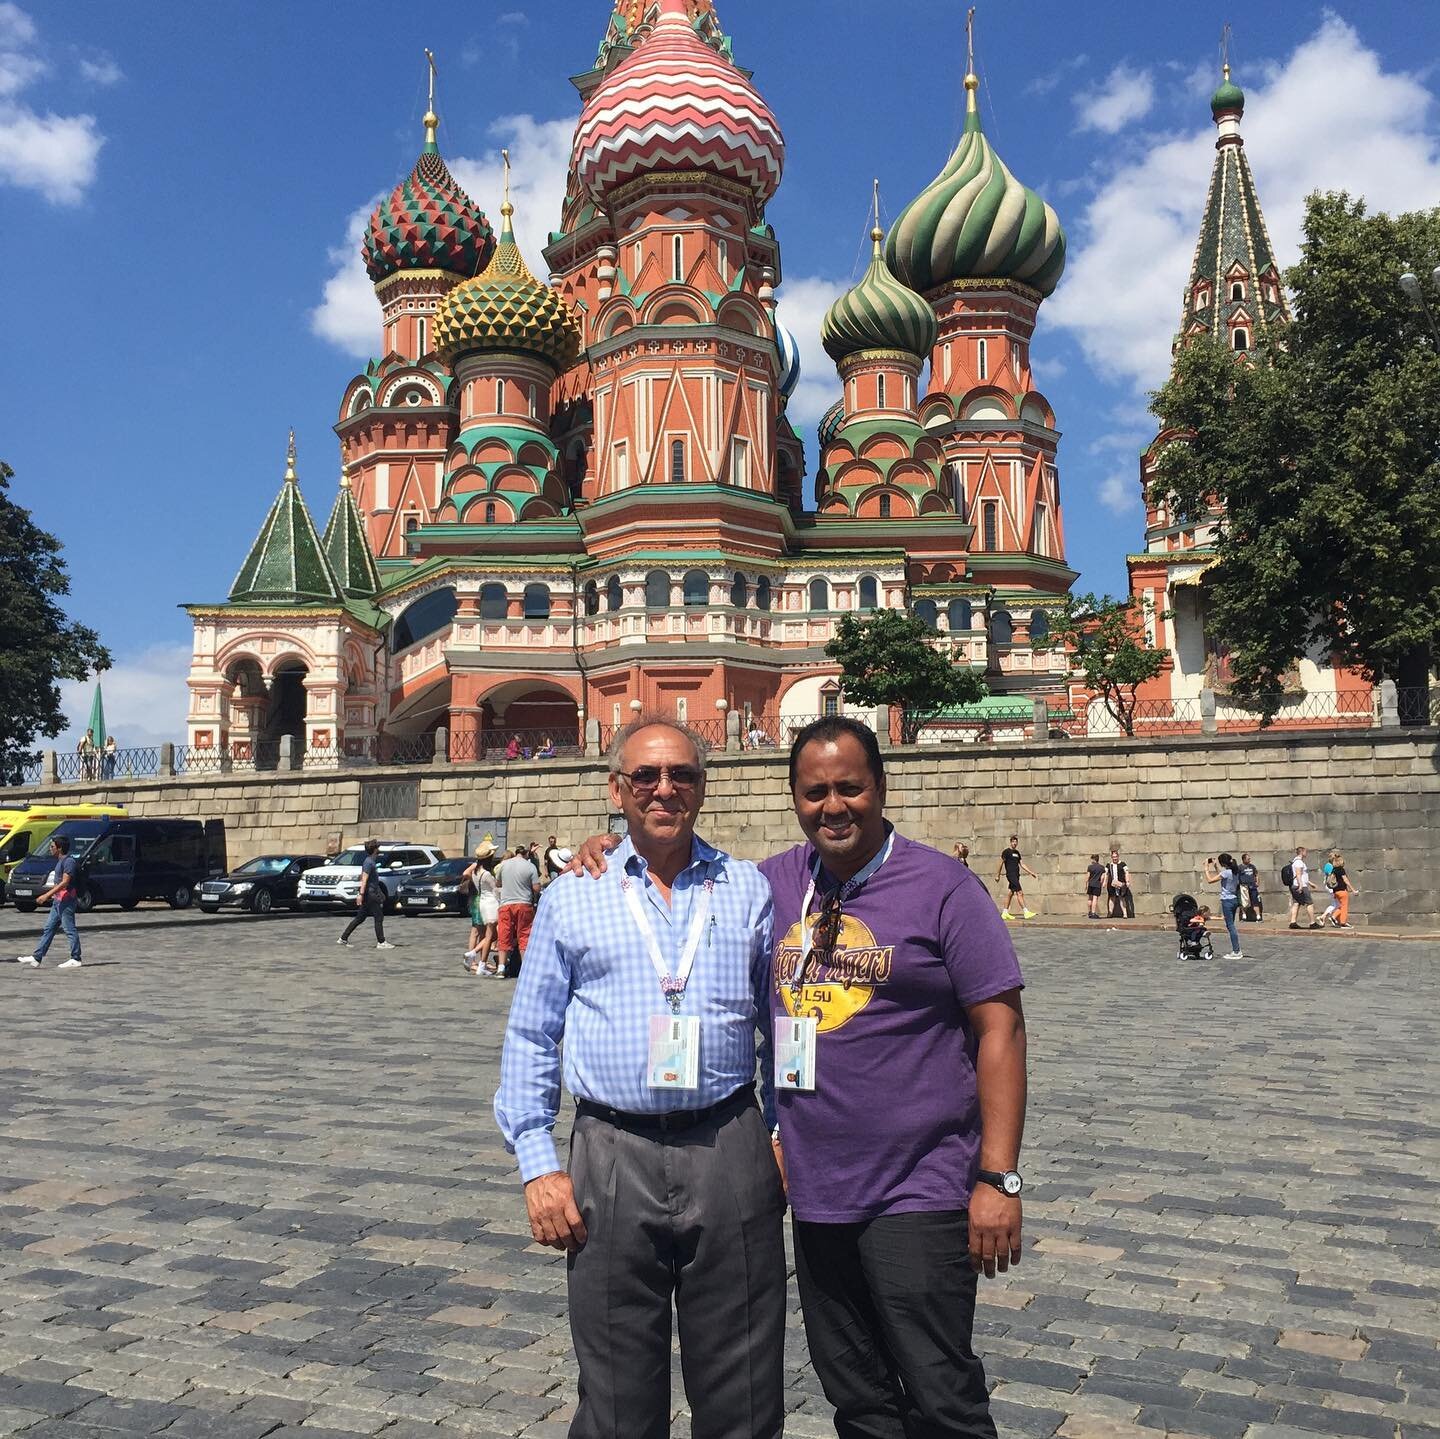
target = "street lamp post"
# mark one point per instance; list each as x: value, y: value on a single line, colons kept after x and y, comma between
x: 1414, y: 290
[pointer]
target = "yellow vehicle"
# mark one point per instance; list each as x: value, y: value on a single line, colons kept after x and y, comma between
x: 23, y: 831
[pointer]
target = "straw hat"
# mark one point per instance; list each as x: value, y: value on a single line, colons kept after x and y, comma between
x: 485, y: 849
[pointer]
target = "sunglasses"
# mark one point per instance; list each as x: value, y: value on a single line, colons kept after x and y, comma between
x: 828, y: 924
x: 645, y: 779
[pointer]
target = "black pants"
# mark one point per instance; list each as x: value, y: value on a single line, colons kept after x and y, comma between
x: 1122, y: 902
x: 373, y: 908
x: 889, y: 1307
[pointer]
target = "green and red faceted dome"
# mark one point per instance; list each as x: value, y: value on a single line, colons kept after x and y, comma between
x: 428, y: 223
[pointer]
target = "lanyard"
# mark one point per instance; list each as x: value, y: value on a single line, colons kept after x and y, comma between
x: 672, y: 986
x: 848, y: 888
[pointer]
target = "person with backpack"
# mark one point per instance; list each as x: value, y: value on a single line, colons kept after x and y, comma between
x: 1296, y: 878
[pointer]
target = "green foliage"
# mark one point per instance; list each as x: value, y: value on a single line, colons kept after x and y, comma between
x: 891, y: 659
x: 1325, y: 453
x: 1104, y: 639
x: 39, y: 647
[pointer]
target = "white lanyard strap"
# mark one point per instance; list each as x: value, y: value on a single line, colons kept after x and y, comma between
x: 848, y: 888
x: 672, y: 986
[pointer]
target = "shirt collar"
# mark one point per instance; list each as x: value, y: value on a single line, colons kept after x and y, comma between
x: 828, y: 880
x: 701, y: 854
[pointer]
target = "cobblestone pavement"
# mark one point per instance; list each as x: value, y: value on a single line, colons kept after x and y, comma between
x: 250, y: 1185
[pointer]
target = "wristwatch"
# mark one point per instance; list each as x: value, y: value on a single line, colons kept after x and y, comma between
x: 1009, y: 1183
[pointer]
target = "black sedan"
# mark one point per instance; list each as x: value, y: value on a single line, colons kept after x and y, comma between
x: 259, y: 885
x: 437, y: 890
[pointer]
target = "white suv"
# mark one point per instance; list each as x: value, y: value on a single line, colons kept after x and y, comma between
x: 336, y: 884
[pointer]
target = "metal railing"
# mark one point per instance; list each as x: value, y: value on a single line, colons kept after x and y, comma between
x: 1418, y: 706
x: 553, y: 742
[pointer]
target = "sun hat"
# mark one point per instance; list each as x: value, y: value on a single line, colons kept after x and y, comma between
x: 485, y: 848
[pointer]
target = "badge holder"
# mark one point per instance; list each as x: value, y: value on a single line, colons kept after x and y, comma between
x: 795, y: 1053
x: 674, y: 1061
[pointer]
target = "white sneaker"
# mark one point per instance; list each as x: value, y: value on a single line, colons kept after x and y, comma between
x: 28, y: 959
x: 471, y: 953
x: 69, y: 964
x: 1234, y: 954
x: 343, y: 941
x: 385, y: 944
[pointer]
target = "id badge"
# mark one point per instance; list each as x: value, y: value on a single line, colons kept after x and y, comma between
x: 674, y: 1051
x: 795, y: 1053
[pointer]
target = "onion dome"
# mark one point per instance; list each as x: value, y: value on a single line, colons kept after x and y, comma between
x: 506, y: 308
x: 1228, y: 97
x: 789, y: 350
x: 674, y: 103
x: 879, y: 314
x: 975, y: 220
x: 428, y: 222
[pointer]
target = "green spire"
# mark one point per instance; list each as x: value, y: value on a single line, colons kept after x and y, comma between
x: 286, y: 564
x: 346, y: 547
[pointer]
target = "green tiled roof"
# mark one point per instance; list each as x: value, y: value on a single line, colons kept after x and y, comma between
x: 286, y: 564
x: 348, y: 550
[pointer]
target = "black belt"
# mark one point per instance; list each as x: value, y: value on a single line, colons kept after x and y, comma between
x: 674, y: 1120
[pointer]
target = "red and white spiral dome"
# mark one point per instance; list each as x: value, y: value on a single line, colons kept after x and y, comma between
x: 674, y: 103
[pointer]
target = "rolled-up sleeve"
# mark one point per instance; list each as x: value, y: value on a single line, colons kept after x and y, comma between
x: 529, y: 1095
x: 760, y: 963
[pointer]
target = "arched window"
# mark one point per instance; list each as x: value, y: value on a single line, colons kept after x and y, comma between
x: 537, y: 602
x: 869, y: 592
x: 990, y: 522
x: 762, y: 593
x: 884, y: 507
x: 1240, y: 340
x: 412, y: 523
x: 722, y: 258
x: 499, y: 397
x: 1002, y: 627
x: 427, y: 616
x: 926, y: 612
x: 494, y: 602
x: 947, y: 364
x: 592, y: 598
x: 677, y: 271
x: 614, y: 594
x: 533, y: 401
x: 657, y: 590
x: 1237, y: 290
x: 1039, y: 625
x: 677, y: 462
x: 958, y: 615
x: 880, y: 392
x: 982, y: 359
x: 419, y: 337
x: 819, y: 593
x: 638, y: 251
x: 489, y: 512
x: 739, y: 592
x: 696, y: 586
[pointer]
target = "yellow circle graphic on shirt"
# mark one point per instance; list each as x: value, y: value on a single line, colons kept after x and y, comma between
x: 837, y: 985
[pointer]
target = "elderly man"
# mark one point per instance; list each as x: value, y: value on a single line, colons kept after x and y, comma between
x: 657, y: 979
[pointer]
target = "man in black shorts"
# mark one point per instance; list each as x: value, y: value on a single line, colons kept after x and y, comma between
x: 1013, y: 866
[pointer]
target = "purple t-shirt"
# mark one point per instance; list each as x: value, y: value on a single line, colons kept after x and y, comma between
x: 893, y: 1124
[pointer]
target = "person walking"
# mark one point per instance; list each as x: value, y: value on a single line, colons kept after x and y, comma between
x: 1012, y: 863
x: 1252, y: 909
x: 1300, y: 893
x: 519, y: 882
x: 61, y: 891
x: 1094, y: 886
x: 1226, y: 873
x: 656, y: 978
x: 484, y: 909
x: 1117, y: 880
x: 370, y: 902
x: 1338, y: 880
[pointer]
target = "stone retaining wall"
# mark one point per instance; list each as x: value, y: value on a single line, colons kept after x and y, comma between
x: 1377, y: 795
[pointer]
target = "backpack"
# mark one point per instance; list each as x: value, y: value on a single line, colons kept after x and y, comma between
x: 1287, y: 876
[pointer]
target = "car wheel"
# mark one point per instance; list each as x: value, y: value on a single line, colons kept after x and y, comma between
x: 263, y: 902
x: 84, y: 900
x: 179, y: 897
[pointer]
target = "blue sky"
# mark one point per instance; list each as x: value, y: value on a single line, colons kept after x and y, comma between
x: 181, y: 185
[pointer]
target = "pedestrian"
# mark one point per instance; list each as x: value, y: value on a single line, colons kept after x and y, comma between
x: 1300, y: 894
x: 1252, y: 910
x: 1225, y: 872
x: 110, y: 758
x: 86, y: 752
x: 1094, y: 886
x: 1338, y: 882
x: 890, y: 967
x: 554, y: 865
x: 673, y: 1199
x: 61, y: 890
x: 519, y: 889
x: 962, y: 853
x: 1013, y: 864
x: 1117, y: 880
x: 370, y: 902
x: 484, y: 909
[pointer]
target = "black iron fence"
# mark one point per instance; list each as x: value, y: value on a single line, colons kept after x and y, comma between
x: 554, y: 742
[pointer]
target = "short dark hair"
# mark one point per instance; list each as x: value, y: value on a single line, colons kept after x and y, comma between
x: 61, y: 842
x: 826, y: 730
x: 372, y: 846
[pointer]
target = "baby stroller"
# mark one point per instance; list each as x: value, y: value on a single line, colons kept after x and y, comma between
x: 1194, y: 938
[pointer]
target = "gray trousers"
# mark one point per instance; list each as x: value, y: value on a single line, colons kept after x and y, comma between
x: 696, y: 1215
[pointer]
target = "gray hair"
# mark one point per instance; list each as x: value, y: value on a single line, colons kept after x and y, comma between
x: 652, y: 721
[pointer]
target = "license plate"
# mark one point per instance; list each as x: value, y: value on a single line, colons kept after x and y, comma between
x: 416, y: 901
x: 24, y: 893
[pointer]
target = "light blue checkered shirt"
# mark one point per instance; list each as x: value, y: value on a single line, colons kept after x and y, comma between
x: 587, y: 978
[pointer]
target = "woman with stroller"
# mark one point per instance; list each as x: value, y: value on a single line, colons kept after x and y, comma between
x: 484, y: 909
x: 1226, y: 873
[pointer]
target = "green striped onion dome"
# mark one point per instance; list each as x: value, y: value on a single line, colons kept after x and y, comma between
x: 975, y: 220
x: 878, y: 314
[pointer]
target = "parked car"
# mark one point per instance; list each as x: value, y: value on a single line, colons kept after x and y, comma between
x: 259, y: 885
x: 336, y: 883
x: 438, y: 890
x: 24, y: 831
x: 122, y: 861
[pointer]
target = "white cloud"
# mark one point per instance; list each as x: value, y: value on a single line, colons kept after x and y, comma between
x: 1122, y: 293
x: 100, y: 69
x: 1120, y: 492
x: 348, y: 314
x: 145, y: 699
x: 800, y: 307
x: 54, y: 154
x: 1123, y: 97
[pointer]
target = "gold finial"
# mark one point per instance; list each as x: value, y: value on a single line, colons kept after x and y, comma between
x: 432, y: 120
x: 876, y: 233
x: 972, y: 80
x: 506, y: 208
x: 290, y: 477
x: 1225, y: 49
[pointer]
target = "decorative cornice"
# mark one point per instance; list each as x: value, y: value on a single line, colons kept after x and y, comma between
x: 861, y: 358
x: 955, y: 287
x: 415, y: 279
x: 681, y: 180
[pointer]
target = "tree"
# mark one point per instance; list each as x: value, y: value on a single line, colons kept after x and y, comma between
x: 39, y: 646
x: 1104, y: 639
x: 1324, y: 454
x: 891, y: 659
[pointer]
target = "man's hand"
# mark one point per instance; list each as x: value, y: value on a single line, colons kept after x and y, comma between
x: 554, y: 1216
x: 994, y: 1230
x: 590, y: 858
x: 359, y: 899
x: 778, y: 1150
